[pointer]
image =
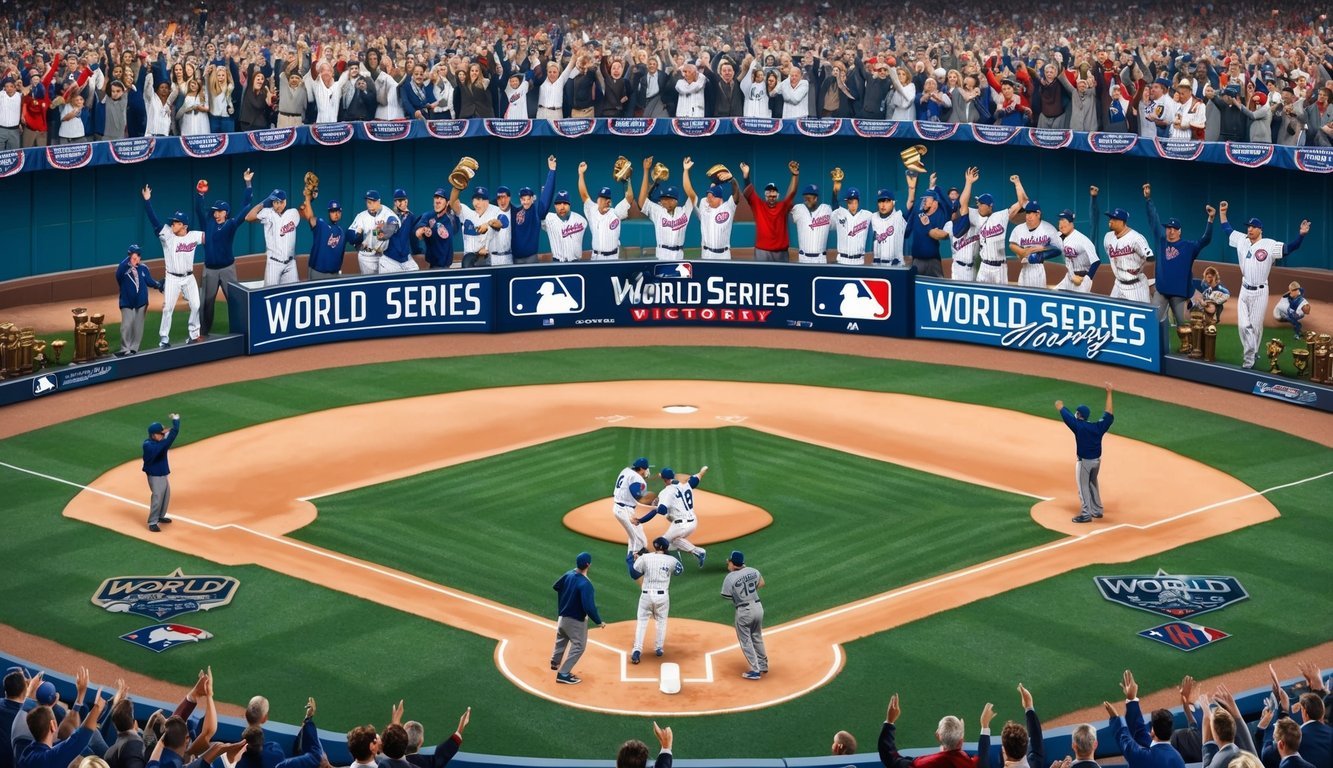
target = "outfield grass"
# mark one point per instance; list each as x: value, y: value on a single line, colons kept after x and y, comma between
x: 288, y: 639
x: 451, y: 526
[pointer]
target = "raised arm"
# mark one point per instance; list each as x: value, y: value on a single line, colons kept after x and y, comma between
x: 583, y: 184
x: 643, y: 189
x: 1016, y: 210
x: 685, y: 181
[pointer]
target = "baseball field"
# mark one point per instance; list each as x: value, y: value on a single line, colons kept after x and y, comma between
x: 396, y: 528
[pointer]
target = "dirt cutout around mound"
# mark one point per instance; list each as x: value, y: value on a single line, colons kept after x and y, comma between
x: 1152, y: 506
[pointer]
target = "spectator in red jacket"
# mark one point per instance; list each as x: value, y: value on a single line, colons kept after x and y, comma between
x: 770, y: 215
x: 950, y: 736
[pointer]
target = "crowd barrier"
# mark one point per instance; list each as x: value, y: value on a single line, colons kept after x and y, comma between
x: 797, y: 298
x: 1057, y: 741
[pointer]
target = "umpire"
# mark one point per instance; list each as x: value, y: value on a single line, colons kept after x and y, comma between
x: 1088, y: 442
x: 741, y: 586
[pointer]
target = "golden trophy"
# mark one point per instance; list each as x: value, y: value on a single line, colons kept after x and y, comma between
x: 1322, y: 370
x: 25, y: 351
x: 1274, y: 349
x: 622, y: 169
x: 660, y: 172
x: 1300, y: 360
x: 39, y: 360
x: 311, y: 185
x: 912, y: 158
x: 1195, y: 329
x: 1185, y: 332
x: 836, y: 174
x: 1210, y: 344
x: 80, y: 316
x: 8, y: 350
x: 719, y: 173
x: 463, y: 173
x: 100, y: 346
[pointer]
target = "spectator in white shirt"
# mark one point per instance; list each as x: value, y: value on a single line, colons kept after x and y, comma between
x: 11, y: 111
x: 794, y: 91
x: 690, y: 88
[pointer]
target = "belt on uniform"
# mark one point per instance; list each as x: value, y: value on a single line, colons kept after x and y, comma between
x: 716, y: 250
x: 548, y: 106
x: 860, y: 256
x: 10, y: 127
x: 1127, y: 282
x: 181, y: 274
x: 654, y: 591
x: 1081, y: 273
x: 886, y: 261
x: 747, y: 602
x: 964, y: 264
x: 1249, y: 287
x: 622, y: 504
x: 683, y: 521
x: 803, y: 253
x: 290, y: 114
x: 990, y: 263
x: 282, y: 261
x: 672, y: 247
x: 502, y: 253
x: 607, y: 253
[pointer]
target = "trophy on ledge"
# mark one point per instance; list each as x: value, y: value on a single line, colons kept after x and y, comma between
x: 1195, y: 330
x: 912, y: 158
x: 57, y: 349
x: 1321, y: 371
x: 1274, y: 349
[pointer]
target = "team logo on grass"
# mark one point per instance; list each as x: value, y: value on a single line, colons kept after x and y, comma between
x: 1183, y: 635
x: 165, y: 597
x: 546, y: 295
x: 1176, y: 596
x: 160, y: 637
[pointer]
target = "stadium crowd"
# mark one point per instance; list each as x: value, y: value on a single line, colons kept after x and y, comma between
x: 101, y: 732
x: 1219, y: 70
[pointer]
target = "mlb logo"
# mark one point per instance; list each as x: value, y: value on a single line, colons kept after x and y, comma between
x: 683, y: 270
x: 160, y: 637
x: 1183, y: 635
x: 858, y: 299
x: 546, y: 295
x: 43, y: 384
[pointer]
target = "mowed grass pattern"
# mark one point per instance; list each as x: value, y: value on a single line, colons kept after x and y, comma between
x: 493, y: 527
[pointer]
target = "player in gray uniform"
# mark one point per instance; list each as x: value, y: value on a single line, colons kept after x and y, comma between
x: 741, y: 587
x: 655, y: 569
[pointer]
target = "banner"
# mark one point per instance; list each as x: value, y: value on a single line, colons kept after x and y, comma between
x: 1083, y: 326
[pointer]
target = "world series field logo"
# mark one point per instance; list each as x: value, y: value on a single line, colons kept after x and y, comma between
x: 165, y: 597
x: 1176, y: 596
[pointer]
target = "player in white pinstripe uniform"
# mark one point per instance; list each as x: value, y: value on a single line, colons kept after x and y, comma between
x: 1128, y: 251
x: 1079, y: 250
x: 812, y: 226
x: 887, y: 227
x: 1031, y: 242
x: 717, y: 214
x: 964, y: 233
x: 564, y: 229
x: 604, y: 219
x: 178, y: 246
x: 994, y: 264
x: 632, y: 490
x: 851, y: 224
x: 676, y: 502
x: 279, y: 237
x: 370, y: 232
x: 669, y: 217
x: 655, y: 569
x: 1257, y: 255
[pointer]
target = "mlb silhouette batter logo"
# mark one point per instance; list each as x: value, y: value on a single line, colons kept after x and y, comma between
x: 856, y: 299
x: 1183, y: 635
x: 546, y: 295
x: 160, y: 637
x: 683, y: 270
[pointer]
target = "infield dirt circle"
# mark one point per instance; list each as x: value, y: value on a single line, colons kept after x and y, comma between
x: 1153, y: 505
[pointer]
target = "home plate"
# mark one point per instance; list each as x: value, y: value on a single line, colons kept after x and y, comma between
x: 670, y: 681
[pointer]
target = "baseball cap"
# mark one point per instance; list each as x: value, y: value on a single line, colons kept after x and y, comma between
x: 135, y: 249
x: 1294, y: 286
x: 604, y: 192
x: 1172, y: 223
x: 221, y: 205
x: 717, y: 191
x: 334, y: 205
x: 661, y: 543
x: 156, y: 428
x: 1032, y: 207
x: 440, y: 192
x: 560, y: 197
x: 737, y: 558
x: 1162, y: 81
x: 986, y: 199
x: 671, y: 193
x: 372, y: 194
x: 1261, y: 98
x: 525, y: 192
x: 278, y: 194
x: 951, y: 189
x: 852, y: 194
x: 179, y: 216
x: 1083, y: 412
x: 810, y: 189
x: 884, y: 194
x: 583, y: 560
x: 1118, y: 213
x: 1254, y: 222
x: 400, y: 194
x: 1067, y: 214
x: 668, y: 473
x: 46, y: 694
x: 481, y: 192
x: 501, y: 190
x: 641, y: 463
x: 772, y: 186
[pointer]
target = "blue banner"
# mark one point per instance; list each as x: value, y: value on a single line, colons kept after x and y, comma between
x: 286, y: 316
x: 126, y: 151
x: 1077, y: 325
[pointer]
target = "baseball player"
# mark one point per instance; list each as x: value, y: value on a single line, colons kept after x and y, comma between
x: 632, y: 490
x: 565, y: 230
x: 1128, y: 251
x: 741, y: 587
x: 134, y: 280
x: 887, y: 227
x: 178, y: 245
x: 279, y: 237
x: 1292, y: 307
x: 370, y: 233
x: 398, y: 250
x: 1080, y: 253
x: 851, y: 223
x: 501, y: 246
x: 437, y: 230
x: 812, y: 225
x: 669, y: 218
x: 676, y: 502
x: 993, y: 225
x: 527, y: 217
x: 1256, y: 254
x: 717, y: 214
x: 604, y: 219
x: 1031, y: 241
x: 964, y: 233
x: 329, y: 240
x: 655, y: 569
x: 219, y: 259
x: 477, y: 223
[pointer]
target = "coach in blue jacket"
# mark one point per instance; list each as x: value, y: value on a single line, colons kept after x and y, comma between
x: 575, y: 605
x: 157, y: 469
x: 1175, y: 258
x: 134, y: 280
x: 219, y: 258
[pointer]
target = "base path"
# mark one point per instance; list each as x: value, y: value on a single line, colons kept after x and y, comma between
x: 1153, y: 505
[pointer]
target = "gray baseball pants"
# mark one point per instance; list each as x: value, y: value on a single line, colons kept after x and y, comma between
x: 750, y: 634
x: 1089, y: 493
x: 131, y: 328
x: 213, y: 279
x: 761, y: 255
x: 572, y: 633
x: 161, y: 488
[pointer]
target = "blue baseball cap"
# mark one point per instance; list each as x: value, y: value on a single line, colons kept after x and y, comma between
x: 641, y: 463
x: 583, y: 560
x: 372, y: 194
x: 156, y: 428
x: 671, y: 193
x: 1118, y: 213
x: 221, y: 205
x: 1067, y: 215
x: 179, y: 216
x: 1083, y: 412
x: 737, y: 558
x: 1172, y: 223
x: 852, y: 194
x: 440, y: 192
x: 400, y: 194
x: 525, y: 192
x: 135, y: 249
x: 772, y: 186
x: 810, y: 189
x: 661, y: 543
x: 884, y: 194
x: 480, y: 192
x: 668, y: 473
x: 986, y: 199
x: 1162, y: 81
x: 604, y: 192
x: 717, y: 191
x: 278, y: 194
x: 560, y: 197
x: 501, y: 190
x: 1032, y: 207
x: 334, y: 205
x: 1254, y: 222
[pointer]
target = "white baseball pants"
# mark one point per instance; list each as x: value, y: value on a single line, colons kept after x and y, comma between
x: 1032, y: 275
x: 633, y: 532
x: 995, y: 275
x: 1136, y: 291
x: 1067, y: 284
x: 677, y: 532
x: 654, y: 603
x: 175, y: 288
x: 1250, y: 322
x: 279, y: 273
x: 965, y: 273
x: 368, y: 262
x: 387, y: 264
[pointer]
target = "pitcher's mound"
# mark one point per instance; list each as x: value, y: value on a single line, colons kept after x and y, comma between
x: 721, y: 518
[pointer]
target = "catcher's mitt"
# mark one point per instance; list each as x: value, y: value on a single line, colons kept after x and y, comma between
x: 719, y: 173
x: 311, y: 185
x: 622, y: 169
x: 661, y: 172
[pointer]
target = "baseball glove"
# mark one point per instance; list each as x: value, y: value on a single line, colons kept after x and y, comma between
x: 661, y: 172
x: 311, y: 185
x: 719, y: 173
x: 837, y: 175
x: 622, y: 169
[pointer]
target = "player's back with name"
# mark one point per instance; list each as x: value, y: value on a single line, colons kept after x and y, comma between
x: 427, y: 300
